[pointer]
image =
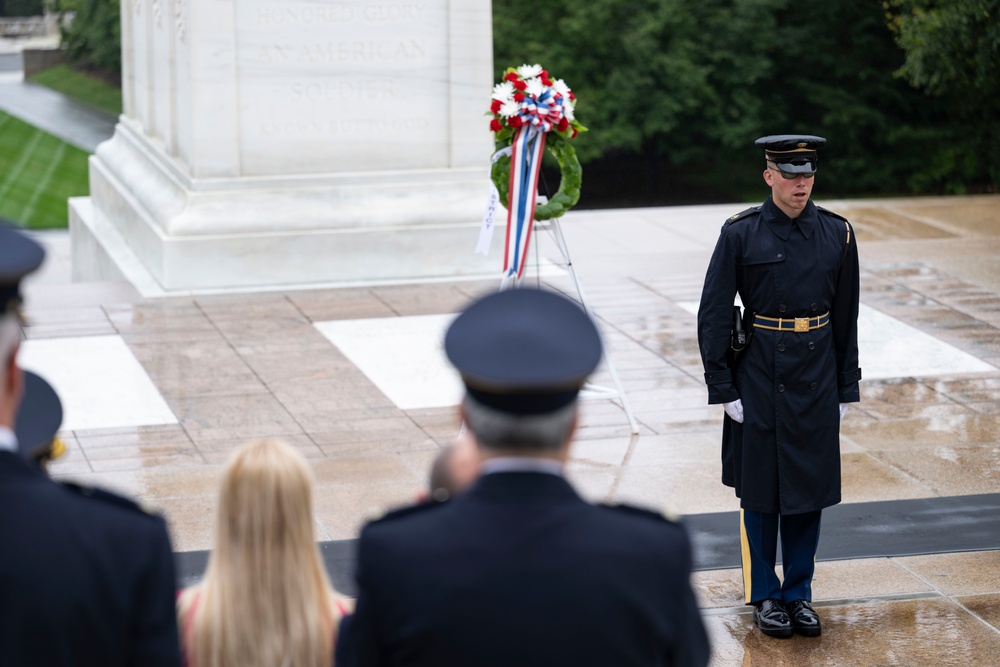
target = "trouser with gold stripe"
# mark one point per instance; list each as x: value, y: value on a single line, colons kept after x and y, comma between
x: 759, y: 538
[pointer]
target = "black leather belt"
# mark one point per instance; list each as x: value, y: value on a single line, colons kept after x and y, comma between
x: 797, y: 324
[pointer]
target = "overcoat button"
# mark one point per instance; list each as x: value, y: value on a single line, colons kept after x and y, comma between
x: 812, y: 386
x: 781, y: 388
x: 812, y: 345
x: 781, y: 347
x: 813, y: 307
x: 779, y: 255
x: 781, y: 308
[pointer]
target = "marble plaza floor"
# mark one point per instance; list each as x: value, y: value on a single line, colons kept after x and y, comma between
x: 158, y: 391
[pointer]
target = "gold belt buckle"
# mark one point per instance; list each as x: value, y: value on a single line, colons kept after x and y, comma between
x: 801, y: 324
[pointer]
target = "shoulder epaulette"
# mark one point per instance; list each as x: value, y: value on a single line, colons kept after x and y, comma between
x: 407, y: 510
x: 665, y: 515
x: 742, y: 214
x: 109, y: 497
x: 847, y: 230
x: 829, y: 212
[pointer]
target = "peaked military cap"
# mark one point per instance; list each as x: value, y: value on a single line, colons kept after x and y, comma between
x: 524, y: 351
x: 38, y: 419
x: 19, y: 256
x: 792, y: 153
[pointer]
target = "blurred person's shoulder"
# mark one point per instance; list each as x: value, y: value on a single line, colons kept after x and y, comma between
x: 102, y: 501
x: 400, y: 515
x: 662, y: 516
x: 645, y: 520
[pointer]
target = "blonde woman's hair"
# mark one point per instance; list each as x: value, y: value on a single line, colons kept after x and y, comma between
x: 265, y: 599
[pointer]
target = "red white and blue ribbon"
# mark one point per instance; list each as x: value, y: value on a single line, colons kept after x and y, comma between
x: 537, y: 117
x: 525, y: 166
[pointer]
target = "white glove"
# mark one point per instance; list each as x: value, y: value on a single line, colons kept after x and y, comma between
x: 843, y: 410
x: 735, y: 410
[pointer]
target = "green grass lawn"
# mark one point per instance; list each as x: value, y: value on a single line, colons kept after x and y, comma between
x: 82, y: 87
x: 37, y: 174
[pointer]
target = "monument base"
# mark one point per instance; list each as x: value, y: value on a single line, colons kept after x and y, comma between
x: 148, y: 222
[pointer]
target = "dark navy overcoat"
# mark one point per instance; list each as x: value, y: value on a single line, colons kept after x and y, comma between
x: 86, y: 576
x: 785, y: 457
x: 519, y: 570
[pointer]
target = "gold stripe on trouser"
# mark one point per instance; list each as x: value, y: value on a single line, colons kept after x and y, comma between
x: 745, y: 546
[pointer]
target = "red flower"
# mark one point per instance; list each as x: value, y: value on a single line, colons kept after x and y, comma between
x: 546, y: 80
x: 520, y: 85
x: 544, y: 75
x: 512, y: 76
x: 495, y: 125
x: 563, y: 124
x: 495, y: 107
x: 518, y: 97
x: 514, y: 121
x: 573, y: 136
x: 572, y: 96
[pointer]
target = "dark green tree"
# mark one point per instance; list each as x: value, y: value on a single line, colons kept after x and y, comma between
x: 689, y: 86
x: 93, y: 38
x: 21, y: 7
x: 952, y: 51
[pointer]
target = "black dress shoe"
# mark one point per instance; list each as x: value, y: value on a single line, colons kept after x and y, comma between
x: 772, y: 619
x: 805, y: 620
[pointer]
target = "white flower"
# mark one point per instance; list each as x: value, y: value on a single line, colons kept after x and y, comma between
x: 568, y: 108
x: 509, y: 108
x: 503, y: 91
x: 559, y: 86
x: 535, y: 87
x: 529, y: 71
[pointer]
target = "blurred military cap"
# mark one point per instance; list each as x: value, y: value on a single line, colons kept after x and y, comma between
x: 19, y: 256
x: 524, y: 351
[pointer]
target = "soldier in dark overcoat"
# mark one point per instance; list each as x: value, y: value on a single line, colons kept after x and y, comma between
x: 794, y: 266
x: 86, y: 576
x: 519, y: 569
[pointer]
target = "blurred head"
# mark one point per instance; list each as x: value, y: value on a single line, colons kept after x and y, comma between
x: 524, y: 355
x: 20, y: 255
x: 455, y: 468
x: 10, y: 375
x: 499, y: 432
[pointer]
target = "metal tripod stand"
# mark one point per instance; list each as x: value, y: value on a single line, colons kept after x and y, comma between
x: 552, y: 226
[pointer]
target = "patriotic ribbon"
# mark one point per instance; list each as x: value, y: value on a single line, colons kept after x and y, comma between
x: 537, y: 116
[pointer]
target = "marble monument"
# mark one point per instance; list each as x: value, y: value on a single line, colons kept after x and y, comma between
x: 288, y: 142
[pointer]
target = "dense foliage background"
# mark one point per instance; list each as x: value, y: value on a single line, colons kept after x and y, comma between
x: 674, y: 92
x: 93, y: 38
x: 21, y: 7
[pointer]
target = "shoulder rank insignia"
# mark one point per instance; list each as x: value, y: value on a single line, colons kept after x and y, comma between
x: 743, y: 214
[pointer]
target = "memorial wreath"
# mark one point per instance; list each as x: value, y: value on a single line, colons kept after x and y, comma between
x: 532, y: 112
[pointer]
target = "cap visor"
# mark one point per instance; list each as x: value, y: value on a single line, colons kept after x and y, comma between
x: 797, y: 168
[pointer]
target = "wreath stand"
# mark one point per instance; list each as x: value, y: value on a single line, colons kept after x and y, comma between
x: 528, y: 104
x: 595, y: 391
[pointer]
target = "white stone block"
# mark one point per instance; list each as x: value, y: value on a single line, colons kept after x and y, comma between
x: 262, y: 137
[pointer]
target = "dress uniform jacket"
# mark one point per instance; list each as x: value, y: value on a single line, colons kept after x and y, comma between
x: 84, y: 580
x: 785, y: 456
x: 519, y: 570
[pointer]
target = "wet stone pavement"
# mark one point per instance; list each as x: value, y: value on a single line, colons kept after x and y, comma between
x: 201, y: 374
